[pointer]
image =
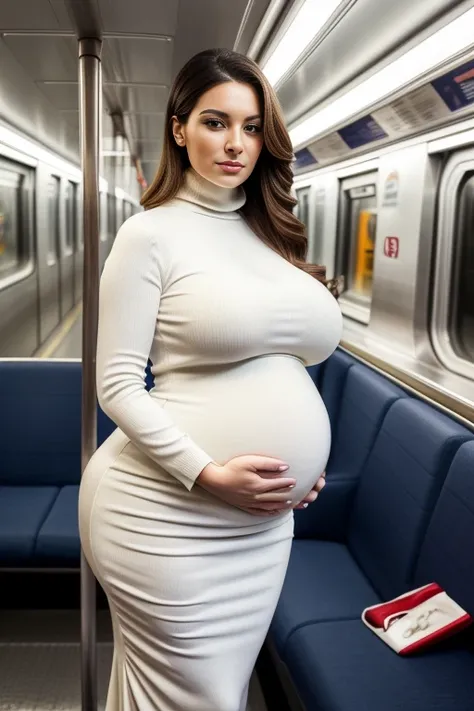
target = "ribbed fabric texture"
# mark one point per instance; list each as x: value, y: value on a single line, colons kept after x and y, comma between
x: 181, y: 288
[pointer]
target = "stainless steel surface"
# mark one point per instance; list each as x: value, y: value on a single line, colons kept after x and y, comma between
x: 365, y: 36
x: 458, y: 166
x: 90, y: 104
x: 399, y: 332
x: 267, y: 26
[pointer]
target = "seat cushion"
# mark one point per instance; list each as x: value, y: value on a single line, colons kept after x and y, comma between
x: 397, y: 492
x: 366, y: 399
x: 332, y: 383
x: 23, y: 509
x: 323, y: 582
x: 343, y: 666
x: 41, y: 437
x: 58, y: 538
x: 446, y: 552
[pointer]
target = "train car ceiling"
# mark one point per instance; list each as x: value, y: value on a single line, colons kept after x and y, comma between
x: 418, y: 89
x: 144, y: 45
x: 365, y: 35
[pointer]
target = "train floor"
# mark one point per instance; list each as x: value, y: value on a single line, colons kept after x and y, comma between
x: 40, y: 653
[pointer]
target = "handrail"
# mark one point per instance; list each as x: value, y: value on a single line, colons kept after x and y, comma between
x: 90, y: 84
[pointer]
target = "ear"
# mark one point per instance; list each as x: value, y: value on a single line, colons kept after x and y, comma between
x: 178, y: 132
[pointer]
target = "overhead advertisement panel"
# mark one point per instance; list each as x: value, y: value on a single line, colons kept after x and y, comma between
x: 457, y: 86
x: 412, y: 112
x: 417, y: 111
x: 363, y: 131
x: 304, y: 159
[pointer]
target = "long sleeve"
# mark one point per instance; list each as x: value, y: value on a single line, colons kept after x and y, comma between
x: 130, y: 292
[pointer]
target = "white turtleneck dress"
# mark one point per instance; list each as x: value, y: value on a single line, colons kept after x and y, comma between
x: 229, y: 326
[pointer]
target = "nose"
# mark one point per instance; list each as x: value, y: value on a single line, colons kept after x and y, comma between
x: 234, y: 144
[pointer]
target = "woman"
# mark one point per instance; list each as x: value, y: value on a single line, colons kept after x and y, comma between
x: 186, y: 511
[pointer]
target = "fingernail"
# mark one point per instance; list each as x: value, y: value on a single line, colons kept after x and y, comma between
x: 292, y: 486
x: 283, y: 468
x: 305, y: 506
x: 288, y: 502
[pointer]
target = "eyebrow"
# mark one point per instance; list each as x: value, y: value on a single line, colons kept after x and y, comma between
x: 223, y: 114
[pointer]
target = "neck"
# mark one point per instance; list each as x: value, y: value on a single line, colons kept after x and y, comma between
x: 200, y: 191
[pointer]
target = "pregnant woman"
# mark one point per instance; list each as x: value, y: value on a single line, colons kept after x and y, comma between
x: 186, y: 510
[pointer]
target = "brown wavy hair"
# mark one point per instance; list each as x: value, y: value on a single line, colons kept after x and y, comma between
x: 268, y: 209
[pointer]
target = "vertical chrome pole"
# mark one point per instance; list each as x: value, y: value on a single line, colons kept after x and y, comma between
x: 90, y: 104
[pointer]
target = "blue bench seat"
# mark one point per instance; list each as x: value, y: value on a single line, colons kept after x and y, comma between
x: 404, y: 521
x: 340, y: 665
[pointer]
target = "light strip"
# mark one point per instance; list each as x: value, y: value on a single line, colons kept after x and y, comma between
x: 308, y: 21
x: 32, y: 150
x: 436, y: 49
x: 14, y: 140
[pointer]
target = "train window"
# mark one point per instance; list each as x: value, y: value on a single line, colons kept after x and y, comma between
x: 53, y: 220
x: 302, y: 210
x: 461, y: 316
x: 111, y: 229
x: 15, y: 235
x: 71, y: 217
x: 356, y: 244
x: 315, y: 248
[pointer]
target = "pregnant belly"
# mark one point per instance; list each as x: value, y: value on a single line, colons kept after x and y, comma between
x: 266, y: 406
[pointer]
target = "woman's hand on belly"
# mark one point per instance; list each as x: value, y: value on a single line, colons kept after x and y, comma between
x: 252, y: 483
x: 312, y: 495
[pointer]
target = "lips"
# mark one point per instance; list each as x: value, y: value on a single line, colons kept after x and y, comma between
x: 232, y: 163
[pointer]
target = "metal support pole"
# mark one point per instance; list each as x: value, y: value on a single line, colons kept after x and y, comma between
x: 90, y: 87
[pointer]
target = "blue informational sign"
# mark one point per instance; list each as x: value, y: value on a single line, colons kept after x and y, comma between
x: 304, y: 159
x: 456, y: 88
x: 363, y: 131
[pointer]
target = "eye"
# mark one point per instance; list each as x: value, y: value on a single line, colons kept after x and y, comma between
x: 213, y: 123
x: 253, y: 128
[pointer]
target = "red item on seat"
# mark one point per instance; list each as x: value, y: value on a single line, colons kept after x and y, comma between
x: 417, y: 619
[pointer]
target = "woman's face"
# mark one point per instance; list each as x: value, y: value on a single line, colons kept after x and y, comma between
x: 223, y: 134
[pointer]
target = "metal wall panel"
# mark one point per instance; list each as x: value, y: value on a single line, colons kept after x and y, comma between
x: 370, y: 31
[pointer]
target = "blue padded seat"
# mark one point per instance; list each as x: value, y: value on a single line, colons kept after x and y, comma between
x: 22, y: 512
x: 41, y: 437
x: 316, y: 373
x: 335, y: 373
x: 58, y: 537
x: 366, y: 398
x: 398, y: 488
x: 343, y: 666
x: 323, y: 582
x: 446, y: 551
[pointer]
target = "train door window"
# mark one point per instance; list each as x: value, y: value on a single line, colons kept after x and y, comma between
x: 53, y: 220
x: 15, y: 232
x: 71, y: 217
x: 302, y: 209
x: 111, y: 229
x: 356, y: 243
x: 315, y: 248
x: 462, y: 296
x: 453, y: 297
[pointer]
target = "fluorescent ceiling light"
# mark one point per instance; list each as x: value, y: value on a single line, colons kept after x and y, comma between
x: 33, y: 150
x: 436, y: 49
x: 310, y: 18
x: 14, y: 140
x: 108, y: 154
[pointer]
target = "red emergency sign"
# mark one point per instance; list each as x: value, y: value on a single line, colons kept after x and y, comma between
x: 390, y: 247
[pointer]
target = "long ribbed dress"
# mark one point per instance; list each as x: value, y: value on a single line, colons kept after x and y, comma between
x: 229, y: 326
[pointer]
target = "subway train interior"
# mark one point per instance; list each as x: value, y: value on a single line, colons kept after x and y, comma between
x: 378, y: 98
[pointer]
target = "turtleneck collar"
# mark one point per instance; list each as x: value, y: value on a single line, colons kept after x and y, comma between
x: 202, y: 192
